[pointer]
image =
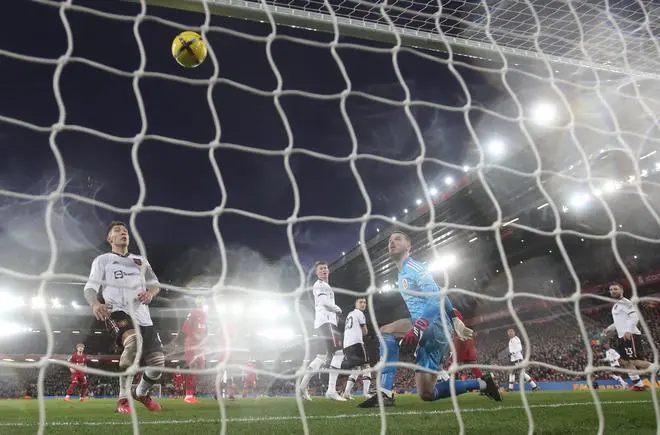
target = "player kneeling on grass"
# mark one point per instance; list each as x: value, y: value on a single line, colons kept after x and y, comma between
x: 119, y: 289
x: 426, y: 339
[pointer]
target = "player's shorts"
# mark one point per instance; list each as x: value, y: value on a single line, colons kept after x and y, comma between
x: 330, y: 334
x: 465, y: 350
x: 389, y: 307
x: 250, y: 382
x: 121, y: 322
x: 78, y: 378
x: 194, y: 356
x: 354, y: 356
x: 630, y: 349
x: 432, y: 348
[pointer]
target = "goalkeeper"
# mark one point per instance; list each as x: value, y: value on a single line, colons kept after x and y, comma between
x: 426, y: 339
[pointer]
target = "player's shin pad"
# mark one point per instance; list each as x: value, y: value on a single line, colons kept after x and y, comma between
x: 130, y: 351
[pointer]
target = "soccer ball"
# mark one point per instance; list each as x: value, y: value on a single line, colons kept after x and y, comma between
x: 189, y: 49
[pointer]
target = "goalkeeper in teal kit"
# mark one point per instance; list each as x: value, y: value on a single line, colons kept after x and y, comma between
x: 423, y: 333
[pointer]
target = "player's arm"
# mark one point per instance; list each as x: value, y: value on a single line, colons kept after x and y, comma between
x: 363, y: 325
x: 323, y: 299
x: 152, y: 283
x: 432, y: 309
x: 633, y: 320
x: 91, y: 290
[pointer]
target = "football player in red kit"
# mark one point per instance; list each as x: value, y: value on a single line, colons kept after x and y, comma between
x: 250, y: 378
x: 465, y: 351
x: 78, y: 377
x: 195, y: 331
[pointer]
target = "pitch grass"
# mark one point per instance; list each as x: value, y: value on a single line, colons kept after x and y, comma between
x: 553, y: 413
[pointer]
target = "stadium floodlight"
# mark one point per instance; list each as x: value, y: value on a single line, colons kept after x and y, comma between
x: 10, y: 302
x: 418, y: 202
x: 442, y: 263
x: 544, y: 113
x: 8, y: 329
x: 644, y: 173
x: 611, y: 185
x: 56, y: 303
x: 38, y: 303
x: 75, y: 305
x: 449, y: 180
x: 433, y: 191
x: 495, y: 147
x: 405, y: 210
x: 466, y: 168
x: 579, y: 200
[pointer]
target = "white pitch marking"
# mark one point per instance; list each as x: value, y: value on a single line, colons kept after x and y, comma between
x: 316, y: 417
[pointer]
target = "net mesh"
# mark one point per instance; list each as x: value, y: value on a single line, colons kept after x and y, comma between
x: 594, y: 63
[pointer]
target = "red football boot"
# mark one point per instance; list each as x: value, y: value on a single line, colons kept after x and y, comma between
x: 147, y: 401
x: 123, y: 406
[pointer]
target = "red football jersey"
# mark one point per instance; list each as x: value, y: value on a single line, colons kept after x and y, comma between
x: 178, y: 380
x: 79, y: 360
x: 249, y: 374
x: 194, y: 328
x: 458, y: 314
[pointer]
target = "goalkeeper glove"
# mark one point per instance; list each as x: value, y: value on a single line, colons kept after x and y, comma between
x: 462, y: 331
x: 414, y: 335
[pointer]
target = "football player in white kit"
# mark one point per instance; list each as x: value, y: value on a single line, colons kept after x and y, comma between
x: 325, y: 324
x: 355, y: 356
x: 119, y: 289
x: 516, y: 354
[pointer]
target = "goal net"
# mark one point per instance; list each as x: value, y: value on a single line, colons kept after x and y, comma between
x: 515, y: 142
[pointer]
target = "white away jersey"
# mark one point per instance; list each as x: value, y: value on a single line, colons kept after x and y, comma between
x: 353, y: 328
x: 120, y: 278
x: 515, y: 349
x: 324, y: 299
x: 625, y: 317
x: 612, y: 357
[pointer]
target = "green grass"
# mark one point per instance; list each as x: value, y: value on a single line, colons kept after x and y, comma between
x: 553, y: 413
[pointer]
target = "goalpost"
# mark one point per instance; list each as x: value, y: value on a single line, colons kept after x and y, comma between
x: 575, y: 80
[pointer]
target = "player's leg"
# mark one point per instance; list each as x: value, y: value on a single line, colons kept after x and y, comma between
x: 354, y: 358
x: 389, y: 352
x: 72, y: 387
x: 83, y: 388
x: 195, y: 362
x: 336, y: 350
x: 619, y: 379
x: 530, y: 381
x: 466, y: 353
x: 512, y: 380
x: 121, y: 326
x: 432, y: 349
x: 366, y: 380
x: 628, y: 351
x: 320, y: 345
x: 154, y: 360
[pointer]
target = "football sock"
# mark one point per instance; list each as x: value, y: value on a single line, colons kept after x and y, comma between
x: 389, y: 372
x: 442, y: 389
x: 337, y: 358
x: 313, y: 367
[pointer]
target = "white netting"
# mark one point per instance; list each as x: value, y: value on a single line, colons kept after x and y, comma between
x: 556, y: 112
